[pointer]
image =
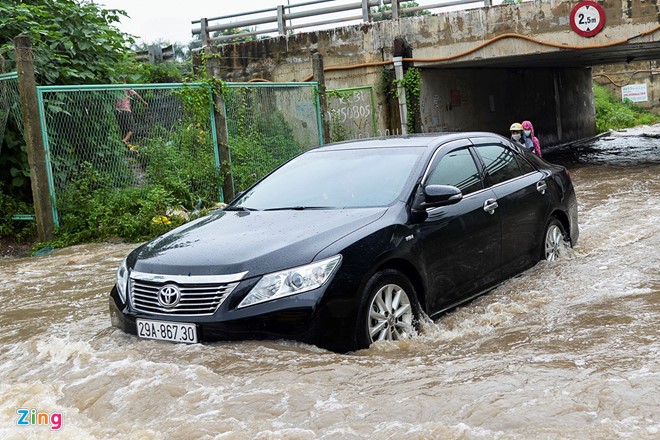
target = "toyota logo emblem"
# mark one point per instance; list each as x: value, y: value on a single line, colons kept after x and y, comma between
x: 169, y: 296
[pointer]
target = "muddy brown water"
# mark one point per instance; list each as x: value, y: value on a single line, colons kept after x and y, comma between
x: 568, y: 350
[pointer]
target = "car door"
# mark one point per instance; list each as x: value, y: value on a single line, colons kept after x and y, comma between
x: 522, y: 202
x: 460, y: 243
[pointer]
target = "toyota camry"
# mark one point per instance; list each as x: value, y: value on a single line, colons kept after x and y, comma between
x: 351, y: 243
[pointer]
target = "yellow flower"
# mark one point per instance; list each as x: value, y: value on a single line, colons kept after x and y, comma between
x: 161, y: 220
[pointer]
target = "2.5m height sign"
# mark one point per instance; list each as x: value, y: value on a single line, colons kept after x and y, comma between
x: 587, y: 18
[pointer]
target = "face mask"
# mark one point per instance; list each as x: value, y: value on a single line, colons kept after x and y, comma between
x: 528, y: 132
x: 516, y: 136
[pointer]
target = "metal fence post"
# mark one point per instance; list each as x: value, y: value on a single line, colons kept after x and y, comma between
x: 401, y: 92
x: 319, y: 77
x: 43, y: 208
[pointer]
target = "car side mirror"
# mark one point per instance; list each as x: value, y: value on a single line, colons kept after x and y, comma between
x: 440, y: 195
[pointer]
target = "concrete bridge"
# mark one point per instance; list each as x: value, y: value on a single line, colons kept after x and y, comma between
x: 481, y: 69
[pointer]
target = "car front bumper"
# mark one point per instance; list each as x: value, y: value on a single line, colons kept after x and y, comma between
x: 294, y: 318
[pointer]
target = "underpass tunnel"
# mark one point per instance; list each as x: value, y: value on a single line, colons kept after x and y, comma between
x: 554, y: 90
x: 559, y: 101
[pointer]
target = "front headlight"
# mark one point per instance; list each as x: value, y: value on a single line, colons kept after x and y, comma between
x: 122, y: 280
x: 291, y: 282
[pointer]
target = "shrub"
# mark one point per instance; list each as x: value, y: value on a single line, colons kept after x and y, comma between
x: 182, y: 163
x: 259, y: 137
x: 11, y: 205
x: 611, y: 114
x: 93, y: 210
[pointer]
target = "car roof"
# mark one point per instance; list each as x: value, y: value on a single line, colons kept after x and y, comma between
x: 428, y: 140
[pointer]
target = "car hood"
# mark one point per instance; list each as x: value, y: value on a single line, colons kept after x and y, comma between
x: 257, y: 242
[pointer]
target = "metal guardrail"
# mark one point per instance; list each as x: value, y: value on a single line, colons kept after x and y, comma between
x: 282, y: 14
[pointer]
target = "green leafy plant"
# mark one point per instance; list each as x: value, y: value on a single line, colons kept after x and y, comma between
x: 386, y: 83
x: 230, y: 32
x: 74, y: 42
x: 13, y: 162
x: 94, y: 210
x: 167, y: 72
x: 174, y: 170
x: 377, y: 12
x: 612, y: 114
x: 182, y: 162
x: 260, y: 139
x: 412, y: 82
x: 10, y: 205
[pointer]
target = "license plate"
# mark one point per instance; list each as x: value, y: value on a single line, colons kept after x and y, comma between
x: 166, y: 330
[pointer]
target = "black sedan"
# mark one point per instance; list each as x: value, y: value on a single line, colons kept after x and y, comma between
x: 350, y: 243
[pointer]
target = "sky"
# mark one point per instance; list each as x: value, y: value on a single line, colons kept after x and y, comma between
x: 154, y: 20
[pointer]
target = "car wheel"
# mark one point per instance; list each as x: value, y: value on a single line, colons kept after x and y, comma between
x: 389, y: 310
x: 555, y: 240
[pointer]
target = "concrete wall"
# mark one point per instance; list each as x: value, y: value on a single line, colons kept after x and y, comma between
x: 549, y: 93
x: 492, y: 99
x: 614, y: 76
x: 576, y: 116
x: 288, y: 58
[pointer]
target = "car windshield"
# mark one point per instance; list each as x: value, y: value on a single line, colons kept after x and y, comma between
x: 327, y: 179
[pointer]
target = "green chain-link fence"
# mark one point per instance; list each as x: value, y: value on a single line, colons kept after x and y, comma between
x: 352, y: 113
x: 10, y: 103
x: 166, y: 141
x: 268, y: 124
x: 164, y: 150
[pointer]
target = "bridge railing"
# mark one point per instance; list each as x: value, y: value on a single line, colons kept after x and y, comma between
x: 280, y: 18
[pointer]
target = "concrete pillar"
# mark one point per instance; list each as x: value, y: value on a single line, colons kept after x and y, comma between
x: 395, y: 9
x: 319, y: 77
x: 43, y: 208
x: 365, y: 11
x: 401, y: 92
x: 221, y: 132
x: 281, y: 20
x: 204, y: 33
x: 557, y: 85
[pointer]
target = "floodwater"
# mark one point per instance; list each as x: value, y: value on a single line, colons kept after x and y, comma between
x: 568, y: 350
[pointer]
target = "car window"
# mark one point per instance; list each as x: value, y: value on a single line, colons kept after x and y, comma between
x: 500, y: 163
x: 364, y: 177
x: 457, y: 168
x: 525, y: 167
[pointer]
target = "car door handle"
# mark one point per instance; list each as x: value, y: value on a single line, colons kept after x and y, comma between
x: 490, y: 206
x: 541, y: 186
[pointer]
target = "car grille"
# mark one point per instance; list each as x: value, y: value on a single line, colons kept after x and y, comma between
x: 197, y: 299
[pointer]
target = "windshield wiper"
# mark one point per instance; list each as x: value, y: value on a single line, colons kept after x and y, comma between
x: 297, y: 208
x: 239, y: 208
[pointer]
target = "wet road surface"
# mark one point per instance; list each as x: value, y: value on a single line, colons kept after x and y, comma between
x: 567, y: 350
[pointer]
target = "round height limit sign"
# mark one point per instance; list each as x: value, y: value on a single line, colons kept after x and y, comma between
x: 587, y: 18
